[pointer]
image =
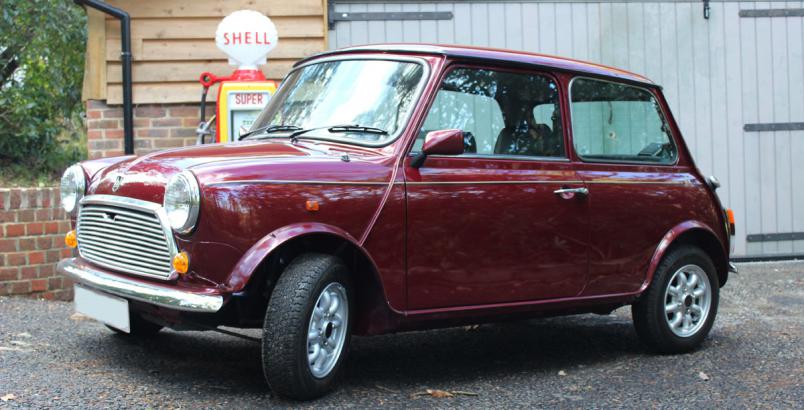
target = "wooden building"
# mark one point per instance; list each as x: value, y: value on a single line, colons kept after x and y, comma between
x: 173, y: 42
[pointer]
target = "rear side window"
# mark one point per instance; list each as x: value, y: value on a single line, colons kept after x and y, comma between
x: 618, y: 123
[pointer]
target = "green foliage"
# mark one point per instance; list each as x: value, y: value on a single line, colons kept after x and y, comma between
x: 42, y: 45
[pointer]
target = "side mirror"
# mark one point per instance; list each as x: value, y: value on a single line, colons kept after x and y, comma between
x: 442, y: 142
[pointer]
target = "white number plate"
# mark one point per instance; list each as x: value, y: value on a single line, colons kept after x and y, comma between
x: 108, y: 309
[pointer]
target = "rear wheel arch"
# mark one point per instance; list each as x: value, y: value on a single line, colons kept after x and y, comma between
x: 709, y: 243
x: 370, y: 298
x: 694, y: 234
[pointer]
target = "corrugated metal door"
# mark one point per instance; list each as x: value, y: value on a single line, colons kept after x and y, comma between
x: 721, y: 75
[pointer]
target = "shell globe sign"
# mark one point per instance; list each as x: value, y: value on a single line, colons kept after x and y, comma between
x: 246, y: 37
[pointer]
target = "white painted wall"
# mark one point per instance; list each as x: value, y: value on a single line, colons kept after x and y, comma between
x: 718, y: 74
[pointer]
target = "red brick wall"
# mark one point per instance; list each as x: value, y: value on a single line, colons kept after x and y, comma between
x: 32, y: 228
x: 32, y: 223
x: 156, y: 127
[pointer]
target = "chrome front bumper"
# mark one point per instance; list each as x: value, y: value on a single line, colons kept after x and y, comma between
x: 154, y: 294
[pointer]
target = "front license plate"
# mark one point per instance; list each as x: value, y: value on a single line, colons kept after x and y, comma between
x: 108, y: 309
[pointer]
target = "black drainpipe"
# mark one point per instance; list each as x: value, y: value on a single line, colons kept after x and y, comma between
x: 125, y: 57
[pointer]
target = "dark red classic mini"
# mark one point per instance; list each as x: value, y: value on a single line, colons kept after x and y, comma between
x: 396, y: 187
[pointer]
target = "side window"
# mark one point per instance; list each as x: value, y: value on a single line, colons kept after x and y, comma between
x: 617, y: 122
x: 478, y: 115
x: 501, y: 113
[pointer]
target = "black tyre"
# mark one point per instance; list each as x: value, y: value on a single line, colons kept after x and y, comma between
x: 307, y: 327
x: 677, y: 311
x: 140, y: 327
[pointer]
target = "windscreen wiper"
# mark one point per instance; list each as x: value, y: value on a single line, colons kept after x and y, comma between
x: 341, y: 128
x: 357, y: 128
x: 269, y: 129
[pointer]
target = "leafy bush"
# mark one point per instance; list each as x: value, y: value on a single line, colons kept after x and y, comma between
x: 42, y: 45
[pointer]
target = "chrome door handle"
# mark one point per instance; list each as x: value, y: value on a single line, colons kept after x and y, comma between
x: 568, y: 193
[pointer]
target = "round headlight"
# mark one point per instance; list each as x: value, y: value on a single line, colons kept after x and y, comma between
x: 182, y: 201
x: 73, y: 186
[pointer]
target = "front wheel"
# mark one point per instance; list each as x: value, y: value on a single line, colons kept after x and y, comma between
x: 676, y: 312
x: 307, y: 327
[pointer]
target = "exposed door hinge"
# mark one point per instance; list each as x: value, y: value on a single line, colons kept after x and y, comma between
x: 336, y: 16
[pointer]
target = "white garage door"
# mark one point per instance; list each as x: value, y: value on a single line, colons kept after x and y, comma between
x: 735, y: 81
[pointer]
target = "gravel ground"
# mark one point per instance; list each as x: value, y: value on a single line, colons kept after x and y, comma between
x: 754, y: 358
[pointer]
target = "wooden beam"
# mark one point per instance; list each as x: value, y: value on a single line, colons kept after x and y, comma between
x: 161, y: 93
x: 217, y: 8
x: 183, y: 71
x: 325, y: 22
x: 175, y: 50
x: 94, y: 86
x: 204, y: 28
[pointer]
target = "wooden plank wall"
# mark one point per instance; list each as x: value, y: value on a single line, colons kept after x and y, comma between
x: 173, y: 42
x: 718, y: 74
x: 95, y: 67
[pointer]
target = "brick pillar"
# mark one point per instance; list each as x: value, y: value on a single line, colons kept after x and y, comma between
x: 156, y: 127
x: 32, y: 228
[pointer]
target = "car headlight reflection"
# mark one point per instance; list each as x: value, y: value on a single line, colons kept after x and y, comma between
x: 72, y: 188
x: 181, y: 202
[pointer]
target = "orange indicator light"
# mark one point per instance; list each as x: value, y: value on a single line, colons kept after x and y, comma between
x: 71, y: 240
x: 181, y: 262
x: 730, y: 214
x: 311, y: 206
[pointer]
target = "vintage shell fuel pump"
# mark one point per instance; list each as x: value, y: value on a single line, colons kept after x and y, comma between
x: 246, y: 37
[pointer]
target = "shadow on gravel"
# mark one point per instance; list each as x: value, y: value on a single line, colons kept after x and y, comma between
x: 211, y: 362
x: 190, y: 360
x: 459, y: 355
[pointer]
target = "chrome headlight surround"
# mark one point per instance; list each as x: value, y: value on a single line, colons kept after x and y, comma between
x: 182, y: 202
x: 72, y: 188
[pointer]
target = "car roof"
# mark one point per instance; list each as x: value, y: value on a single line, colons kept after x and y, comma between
x: 492, y: 54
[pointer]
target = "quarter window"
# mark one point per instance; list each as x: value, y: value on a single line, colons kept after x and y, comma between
x: 501, y: 113
x: 617, y: 122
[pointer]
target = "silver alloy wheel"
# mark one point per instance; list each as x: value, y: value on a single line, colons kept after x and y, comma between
x: 687, y: 300
x: 326, y: 334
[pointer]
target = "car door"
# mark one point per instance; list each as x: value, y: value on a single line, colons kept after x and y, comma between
x: 638, y: 189
x: 487, y: 226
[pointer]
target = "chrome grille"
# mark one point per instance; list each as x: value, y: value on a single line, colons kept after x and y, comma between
x: 126, y: 235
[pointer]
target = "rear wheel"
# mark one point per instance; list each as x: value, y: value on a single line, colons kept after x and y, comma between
x: 678, y: 309
x: 307, y: 327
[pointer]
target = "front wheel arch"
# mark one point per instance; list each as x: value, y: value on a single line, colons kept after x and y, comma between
x: 269, y: 258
